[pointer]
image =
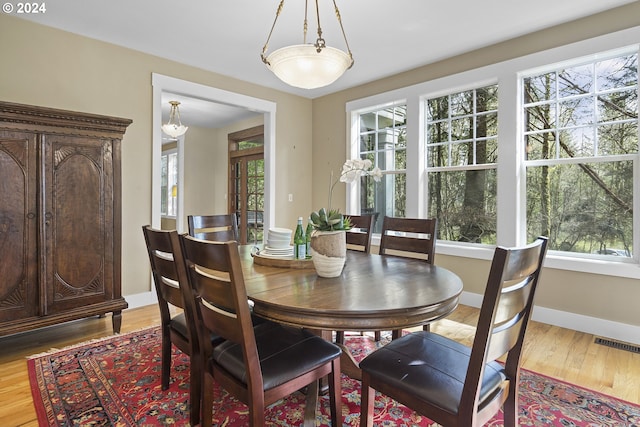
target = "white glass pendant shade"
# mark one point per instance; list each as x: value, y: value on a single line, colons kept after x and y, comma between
x: 304, y: 67
x: 174, y: 128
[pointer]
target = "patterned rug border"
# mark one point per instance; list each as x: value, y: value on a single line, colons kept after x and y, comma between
x: 54, y: 350
x: 570, y: 384
x: 603, y: 404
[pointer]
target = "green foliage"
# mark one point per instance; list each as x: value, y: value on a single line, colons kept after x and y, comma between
x: 329, y: 221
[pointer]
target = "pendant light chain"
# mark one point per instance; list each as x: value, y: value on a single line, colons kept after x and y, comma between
x: 266, y: 44
x: 306, y: 14
x: 320, y: 43
x: 342, y: 29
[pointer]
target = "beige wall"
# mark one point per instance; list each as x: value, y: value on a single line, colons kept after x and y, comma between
x: 598, y: 296
x: 204, y: 163
x: 43, y: 66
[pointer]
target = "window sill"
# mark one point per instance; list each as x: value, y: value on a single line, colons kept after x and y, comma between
x: 628, y: 268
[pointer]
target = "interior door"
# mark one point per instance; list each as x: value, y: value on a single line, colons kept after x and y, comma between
x: 246, y: 183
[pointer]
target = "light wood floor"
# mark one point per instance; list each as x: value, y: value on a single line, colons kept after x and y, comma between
x: 561, y: 353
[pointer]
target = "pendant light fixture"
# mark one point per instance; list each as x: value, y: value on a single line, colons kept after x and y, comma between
x: 174, y: 126
x: 307, y: 65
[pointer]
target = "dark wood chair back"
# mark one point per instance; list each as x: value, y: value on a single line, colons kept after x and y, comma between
x: 359, y: 237
x: 220, y: 228
x: 258, y: 364
x: 484, y: 385
x: 408, y: 236
x: 169, y: 277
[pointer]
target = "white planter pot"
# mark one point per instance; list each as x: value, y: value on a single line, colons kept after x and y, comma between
x: 329, y: 252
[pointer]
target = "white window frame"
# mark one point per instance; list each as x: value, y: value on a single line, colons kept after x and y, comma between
x: 353, y: 188
x: 168, y: 154
x: 511, y: 169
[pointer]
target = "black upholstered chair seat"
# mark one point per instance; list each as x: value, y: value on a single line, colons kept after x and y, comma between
x: 284, y: 353
x: 179, y: 324
x: 430, y: 367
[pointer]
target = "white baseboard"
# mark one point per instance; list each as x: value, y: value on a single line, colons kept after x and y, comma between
x: 578, y: 322
x: 140, y: 300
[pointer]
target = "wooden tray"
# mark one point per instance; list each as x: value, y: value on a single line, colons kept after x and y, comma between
x: 282, y: 262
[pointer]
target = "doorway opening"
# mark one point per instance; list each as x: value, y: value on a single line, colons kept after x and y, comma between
x: 164, y: 84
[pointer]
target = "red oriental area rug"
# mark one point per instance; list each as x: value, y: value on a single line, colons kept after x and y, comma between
x: 116, y: 382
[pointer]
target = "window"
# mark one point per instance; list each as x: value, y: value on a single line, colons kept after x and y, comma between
x: 461, y: 136
x: 581, y: 141
x: 383, y: 141
x: 169, y: 183
x: 543, y: 144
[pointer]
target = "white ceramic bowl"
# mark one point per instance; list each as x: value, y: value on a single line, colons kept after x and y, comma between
x: 280, y: 231
x: 278, y: 244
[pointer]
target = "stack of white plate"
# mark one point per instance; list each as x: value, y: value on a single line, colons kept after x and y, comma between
x: 279, y: 243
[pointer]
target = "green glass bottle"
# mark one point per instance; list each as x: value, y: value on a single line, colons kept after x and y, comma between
x: 299, y: 242
x: 308, y: 238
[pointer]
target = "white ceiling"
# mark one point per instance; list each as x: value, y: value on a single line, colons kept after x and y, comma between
x: 385, y: 36
x: 203, y: 113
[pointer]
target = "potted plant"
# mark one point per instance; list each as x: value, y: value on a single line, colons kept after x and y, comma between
x: 328, y: 241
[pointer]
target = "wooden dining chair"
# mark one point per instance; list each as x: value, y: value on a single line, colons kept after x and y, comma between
x: 258, y: 365
x: 359, y: 239
x: 360, y: 235
x: 220, y: 228
x: 172, y: 291
x: 412, y: 237
x: 450, y: 383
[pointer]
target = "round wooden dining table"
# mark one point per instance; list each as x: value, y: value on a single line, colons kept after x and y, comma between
x: 373, y: 293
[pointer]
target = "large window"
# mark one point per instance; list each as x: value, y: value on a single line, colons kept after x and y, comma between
x: 461, y: 136
x: 383, y: 140
x: 544, y: 144
x: 581, y: 138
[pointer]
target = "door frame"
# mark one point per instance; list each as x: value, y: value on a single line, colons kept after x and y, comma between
x: 235, y: 138
x: 161, y: 83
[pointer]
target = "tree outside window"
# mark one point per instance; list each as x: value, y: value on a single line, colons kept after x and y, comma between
x: 461, y: 147
x: 581, y: 140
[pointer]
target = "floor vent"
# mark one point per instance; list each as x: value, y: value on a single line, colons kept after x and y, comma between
x: 619, y: 345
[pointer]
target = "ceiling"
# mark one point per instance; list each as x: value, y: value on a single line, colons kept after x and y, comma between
x: 386, y: 37
x: 203, y: 113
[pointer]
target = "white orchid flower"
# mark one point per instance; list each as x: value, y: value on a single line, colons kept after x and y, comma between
x: 376, y: 173
x: 350, y: 176
x: 352, y: 170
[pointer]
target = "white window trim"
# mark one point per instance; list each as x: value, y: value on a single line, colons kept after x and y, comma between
x: 510, y: 229
x: 168, y: 153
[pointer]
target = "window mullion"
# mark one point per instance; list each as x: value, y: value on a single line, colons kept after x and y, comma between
x: 511, y: 172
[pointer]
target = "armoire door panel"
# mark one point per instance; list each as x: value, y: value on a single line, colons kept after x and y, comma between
x: 76, y: 200
x: 18, y: 227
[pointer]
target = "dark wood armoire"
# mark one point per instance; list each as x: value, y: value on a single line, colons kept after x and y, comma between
x: 60, y: 217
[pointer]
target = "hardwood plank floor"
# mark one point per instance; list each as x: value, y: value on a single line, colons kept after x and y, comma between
x: 561, y: 353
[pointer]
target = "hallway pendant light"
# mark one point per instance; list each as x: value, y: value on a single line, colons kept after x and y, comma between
x: 174, y: 127
x: 307, y: 65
